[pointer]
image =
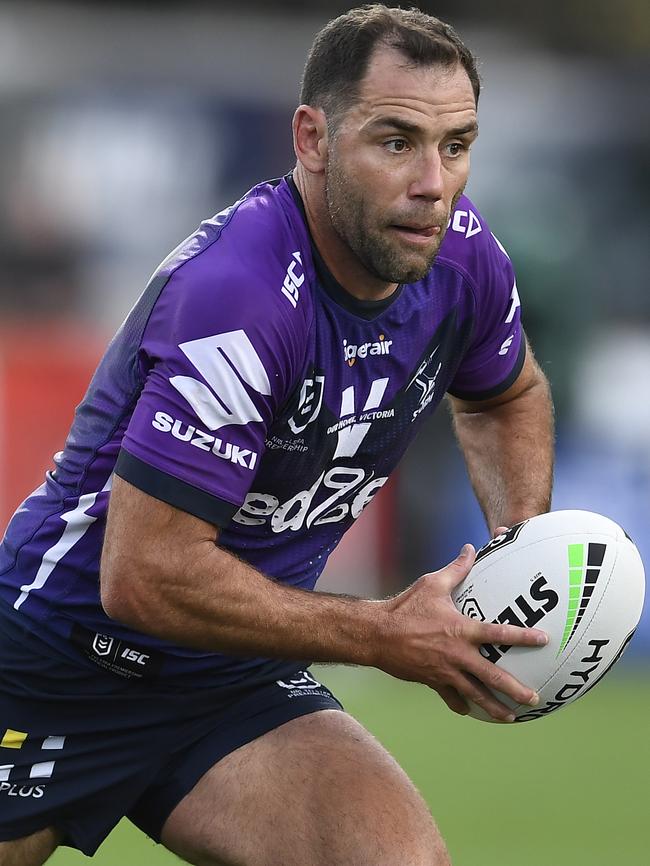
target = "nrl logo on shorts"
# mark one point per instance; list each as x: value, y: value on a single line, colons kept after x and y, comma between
x: 305, y: 681
x: 103, y: 644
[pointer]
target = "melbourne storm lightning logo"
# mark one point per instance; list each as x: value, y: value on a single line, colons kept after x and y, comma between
x: 424, y: 379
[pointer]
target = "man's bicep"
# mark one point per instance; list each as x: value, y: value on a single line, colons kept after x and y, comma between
x: 528, y: 377
x: 146, y: 539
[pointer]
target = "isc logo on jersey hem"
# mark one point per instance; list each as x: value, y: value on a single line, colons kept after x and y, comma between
x: 165, y: 423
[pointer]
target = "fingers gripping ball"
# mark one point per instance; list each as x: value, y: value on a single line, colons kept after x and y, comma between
x: 574, y: 574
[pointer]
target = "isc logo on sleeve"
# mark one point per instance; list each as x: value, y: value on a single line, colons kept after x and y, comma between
x: 293, y: 281
x: 466, y: 223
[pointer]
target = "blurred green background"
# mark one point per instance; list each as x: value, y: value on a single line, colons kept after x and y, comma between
x: 569, y: 789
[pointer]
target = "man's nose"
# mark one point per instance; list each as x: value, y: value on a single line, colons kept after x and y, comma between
x: 428, y: 182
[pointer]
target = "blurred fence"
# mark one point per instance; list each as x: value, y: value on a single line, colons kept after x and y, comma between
x: 44, y: 371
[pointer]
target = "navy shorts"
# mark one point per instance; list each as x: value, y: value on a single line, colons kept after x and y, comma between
x: 80, y: 749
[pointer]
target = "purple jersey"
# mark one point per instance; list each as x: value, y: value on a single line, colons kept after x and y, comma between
x: 249, y: 389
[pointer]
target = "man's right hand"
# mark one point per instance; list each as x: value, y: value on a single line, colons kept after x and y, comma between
x: 430, y: 642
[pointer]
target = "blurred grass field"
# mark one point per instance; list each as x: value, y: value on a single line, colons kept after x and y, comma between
x: 571, y: 789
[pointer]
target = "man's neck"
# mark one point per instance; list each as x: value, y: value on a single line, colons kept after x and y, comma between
x: 339, y: 258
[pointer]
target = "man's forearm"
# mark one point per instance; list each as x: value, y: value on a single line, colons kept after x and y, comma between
x: 200, y: 596
x: 165, y: 576
x: 508, y: 450
x: 249, y: 614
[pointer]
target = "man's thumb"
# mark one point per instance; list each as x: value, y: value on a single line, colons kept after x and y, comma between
x: 464, y: 561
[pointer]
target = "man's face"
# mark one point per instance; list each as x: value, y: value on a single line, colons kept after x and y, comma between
x: 398, y: 162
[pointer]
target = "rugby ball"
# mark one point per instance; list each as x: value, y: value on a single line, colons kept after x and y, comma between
x: 574, y: 574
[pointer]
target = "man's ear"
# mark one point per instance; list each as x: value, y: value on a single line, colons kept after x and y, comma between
x: 310, y: 138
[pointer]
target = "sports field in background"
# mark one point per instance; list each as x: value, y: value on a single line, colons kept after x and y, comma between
x: 570, y: 790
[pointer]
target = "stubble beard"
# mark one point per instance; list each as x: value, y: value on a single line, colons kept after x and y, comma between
x: 351, y: 218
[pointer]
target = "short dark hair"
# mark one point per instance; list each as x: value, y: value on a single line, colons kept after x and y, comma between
x: 341, y: 52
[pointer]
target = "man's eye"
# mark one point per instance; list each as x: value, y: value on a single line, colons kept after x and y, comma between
x: 455, y: 148
x: 396, y: 145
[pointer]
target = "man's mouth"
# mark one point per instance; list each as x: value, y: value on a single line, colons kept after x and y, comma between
x: 417, y: 233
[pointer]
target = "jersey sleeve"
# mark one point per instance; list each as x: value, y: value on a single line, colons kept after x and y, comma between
x: 220, y: 354
x: 497, y: 348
